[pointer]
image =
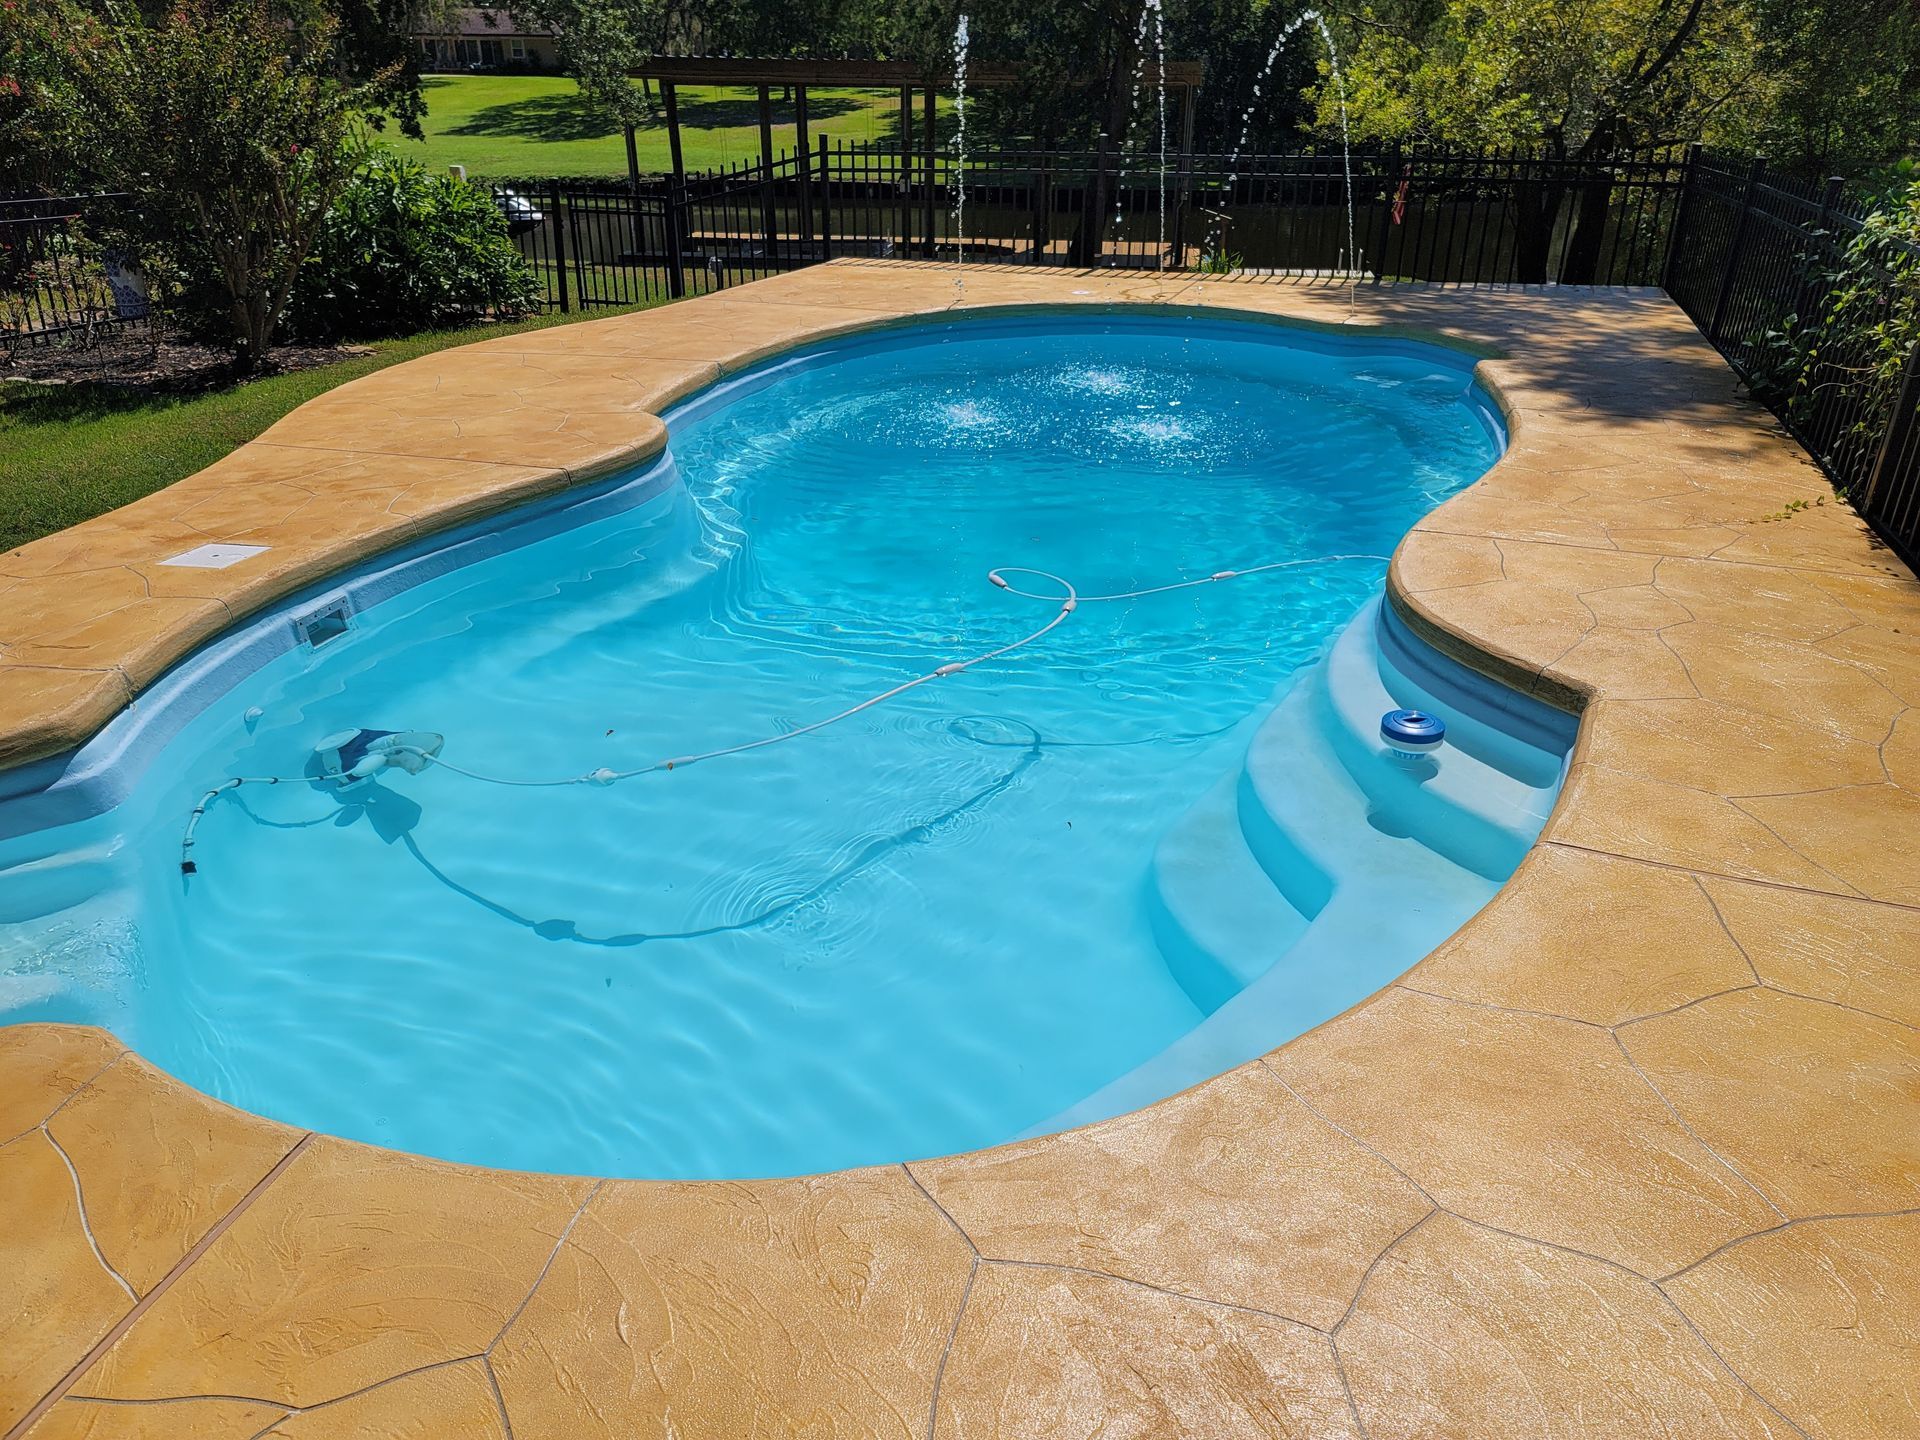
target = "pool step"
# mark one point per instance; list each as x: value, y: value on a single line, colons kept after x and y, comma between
x: 1316, y: 831
x: 37, y: 883
x: 1218, y: 919
x: 1479, y: 801
x: 1326, y: 866
x: 1356, y: 946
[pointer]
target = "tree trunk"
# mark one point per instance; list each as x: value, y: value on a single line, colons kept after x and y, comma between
x: 1582, y: 262
x: 1115, y: 110
x: 1536, y: 205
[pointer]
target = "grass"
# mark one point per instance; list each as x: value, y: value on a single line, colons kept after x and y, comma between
x: 527, y: 126
x: 70, y: 452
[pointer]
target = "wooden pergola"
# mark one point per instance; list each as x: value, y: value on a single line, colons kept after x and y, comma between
x: 1183, y: 79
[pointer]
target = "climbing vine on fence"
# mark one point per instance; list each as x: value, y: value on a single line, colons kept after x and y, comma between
x: 1862, y: 323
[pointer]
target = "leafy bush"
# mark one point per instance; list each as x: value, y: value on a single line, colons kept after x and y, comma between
x: 403, y: 250
x: 1862, y: 328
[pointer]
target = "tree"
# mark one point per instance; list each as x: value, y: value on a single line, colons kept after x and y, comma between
x: 601, y: 42
x: 1578, y: 76
x: 1839, y: 86
x: 1577, y: 79
x: 232, y: 147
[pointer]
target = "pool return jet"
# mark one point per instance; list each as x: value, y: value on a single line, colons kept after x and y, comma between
x: 351, y: 760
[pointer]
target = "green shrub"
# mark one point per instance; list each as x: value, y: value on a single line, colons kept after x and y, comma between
x: 1860, y: 331
x: 402, y: 251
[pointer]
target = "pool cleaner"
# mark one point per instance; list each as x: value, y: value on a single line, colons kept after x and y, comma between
x: 345, y: 761
x: 351, y: 758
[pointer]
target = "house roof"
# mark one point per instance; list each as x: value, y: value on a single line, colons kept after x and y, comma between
x: 480, y: 21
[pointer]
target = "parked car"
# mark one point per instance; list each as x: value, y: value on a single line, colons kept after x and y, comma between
x: 522, y: 214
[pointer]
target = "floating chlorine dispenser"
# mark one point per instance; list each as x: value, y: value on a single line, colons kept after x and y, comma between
x: 1412, y: 733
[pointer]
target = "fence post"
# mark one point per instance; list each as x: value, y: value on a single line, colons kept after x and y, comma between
x: 677, y: 212
x: 1393, y: 165
x: 1754, y: 172
x: 1689, y: 174
x: 1830, y: 197
x: 559, y: 224
x: 1899, y: 432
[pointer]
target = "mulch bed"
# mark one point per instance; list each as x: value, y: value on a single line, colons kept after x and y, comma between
x: 172, y: 364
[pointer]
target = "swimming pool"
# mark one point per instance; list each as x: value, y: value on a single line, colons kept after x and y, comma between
x: 1161, y: 838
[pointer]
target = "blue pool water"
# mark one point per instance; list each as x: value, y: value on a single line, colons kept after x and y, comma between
x: 1039, y: 890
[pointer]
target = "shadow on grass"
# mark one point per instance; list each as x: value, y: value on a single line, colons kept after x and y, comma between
x: 26, y: 404
x: 574, y: 117
x: 736, y: 112
x: 542, y: 117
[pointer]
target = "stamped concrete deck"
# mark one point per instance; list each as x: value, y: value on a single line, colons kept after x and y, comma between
x: 1635, y: 1154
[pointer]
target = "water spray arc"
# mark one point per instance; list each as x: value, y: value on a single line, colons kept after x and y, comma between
x: 1350, y: 259
x: 1152, y: 19
x: 1160, y: 55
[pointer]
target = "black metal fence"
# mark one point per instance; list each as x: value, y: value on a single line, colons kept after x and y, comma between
x: 1820, y: 323
x: 1460, y: 218
x: 58, y: 283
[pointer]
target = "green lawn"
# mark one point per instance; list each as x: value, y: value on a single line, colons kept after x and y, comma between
x: 537, y: 125
x: 70, y: 452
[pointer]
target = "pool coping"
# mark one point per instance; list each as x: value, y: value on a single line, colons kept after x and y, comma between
x: 1636, y: 1148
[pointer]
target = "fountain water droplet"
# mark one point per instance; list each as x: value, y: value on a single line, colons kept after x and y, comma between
x: 1352, y: 258
x: 960, y: 45
x: 1150, y: 29
x: 1160, y: 54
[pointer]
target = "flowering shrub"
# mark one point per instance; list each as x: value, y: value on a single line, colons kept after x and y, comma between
x: 227, y: 127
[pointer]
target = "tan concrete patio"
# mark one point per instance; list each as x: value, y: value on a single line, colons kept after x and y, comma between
x: 1637, y: 1153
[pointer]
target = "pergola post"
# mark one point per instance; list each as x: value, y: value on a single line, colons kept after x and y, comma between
x: 927, y: 127
x: 636, y: 229
x: 670, y: 98
x: 802, y: 166
x: 769, y: 218
x: 1183, y: 172
x: 906, y: 169
x: 677, y: 227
